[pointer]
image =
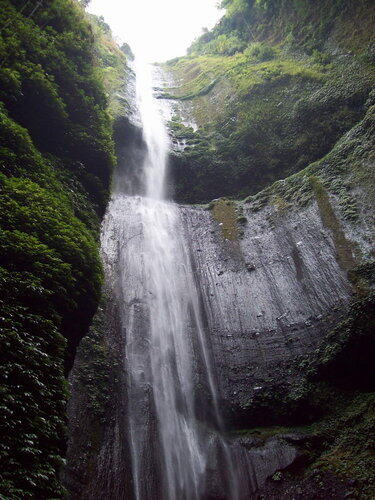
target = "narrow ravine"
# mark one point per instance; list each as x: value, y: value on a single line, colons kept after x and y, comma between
x: 187, y: 261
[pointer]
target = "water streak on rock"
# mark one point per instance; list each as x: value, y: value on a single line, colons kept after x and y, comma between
x: 166, y: 356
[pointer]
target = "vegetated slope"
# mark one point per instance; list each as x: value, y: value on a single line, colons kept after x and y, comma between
x: 271, y: 88
x: 56, y: 157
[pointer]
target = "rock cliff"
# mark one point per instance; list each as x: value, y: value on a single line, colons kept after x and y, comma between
x: 267, y: 116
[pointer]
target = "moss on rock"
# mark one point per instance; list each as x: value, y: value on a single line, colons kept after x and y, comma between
x: 272, y: 107
x: 225, y: 213
x: 329, y: 219
x: 332, y: 405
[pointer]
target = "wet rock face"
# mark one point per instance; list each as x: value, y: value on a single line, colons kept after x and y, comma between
x: 268, y: 296
x: 259, y: 463
x: 98, y: 465
x: 255, y: 463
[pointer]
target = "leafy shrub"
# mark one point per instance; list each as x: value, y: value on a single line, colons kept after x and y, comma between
x: 52, y: 89
x: 225, y: 45
x: 321, y: 57
x: 260, y: 52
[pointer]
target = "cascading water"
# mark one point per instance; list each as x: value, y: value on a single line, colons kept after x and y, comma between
x: 166, y: 356
x: 156, y: 433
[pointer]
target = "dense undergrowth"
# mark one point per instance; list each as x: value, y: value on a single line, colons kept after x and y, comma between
x: 271, y: 90
x: 57, y: 70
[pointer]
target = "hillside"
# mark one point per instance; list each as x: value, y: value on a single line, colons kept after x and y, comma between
x: 270, y: 90
x: 57, y: 69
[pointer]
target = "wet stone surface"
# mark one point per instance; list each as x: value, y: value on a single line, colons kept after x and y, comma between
x: 268, y: 297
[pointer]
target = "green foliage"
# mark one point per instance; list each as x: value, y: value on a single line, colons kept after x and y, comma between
x: 18, y: 154
x: 49, y: 285
x: 32, y: 393
x: 348, y: 444
x: 260, y: 52
x: 340, y: 171
x: 274, y: 108
x: 52, y: 88
x: 234, y: 6
x: 222, y: 44
x: 321, y: 57
x: 49, y: 219
x: 56, y: 156
x: 299, y: 23
x: 278, y: 117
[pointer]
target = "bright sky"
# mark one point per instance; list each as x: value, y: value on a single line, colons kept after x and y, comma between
x: 157, y: 29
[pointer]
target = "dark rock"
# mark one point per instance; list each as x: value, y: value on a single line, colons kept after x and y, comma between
x: 250, y: 267
x: 249, y: 442
x: 311, y: 298
x: 294, y: 438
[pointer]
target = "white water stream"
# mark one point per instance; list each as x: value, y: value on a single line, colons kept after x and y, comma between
x: 166, y: 354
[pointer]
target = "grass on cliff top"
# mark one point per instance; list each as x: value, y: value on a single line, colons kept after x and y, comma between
x: 199, y: 74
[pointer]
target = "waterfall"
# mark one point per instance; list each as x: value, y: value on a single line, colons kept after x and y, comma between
x: 172, y: 404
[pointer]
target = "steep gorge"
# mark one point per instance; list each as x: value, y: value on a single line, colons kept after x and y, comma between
x: 284, y: 276
x: 284, y: 271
